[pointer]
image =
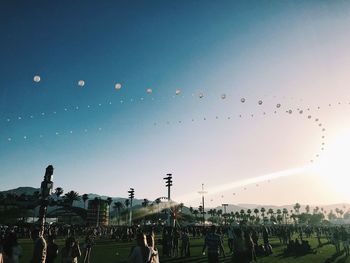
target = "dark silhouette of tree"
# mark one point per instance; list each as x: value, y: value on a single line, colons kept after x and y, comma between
x: 126, y: 203
x: 118, y: 206
x: 145, y: 203
x: 58, y: 191
x: 297, y: 208
x: 85, y: 197
x: 70, y: 197
x: 270, y: 212
x: 316, y: 210
x: 195, y: 213
x: 109, y: 202
x: 256, y: 212
x: 307, y: 209
x: 331, y: 215
x: 285, y: 213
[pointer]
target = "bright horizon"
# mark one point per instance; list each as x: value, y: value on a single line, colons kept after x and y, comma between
x: 184, y: 69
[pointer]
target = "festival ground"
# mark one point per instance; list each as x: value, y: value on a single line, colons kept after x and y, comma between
x: 109, y: 251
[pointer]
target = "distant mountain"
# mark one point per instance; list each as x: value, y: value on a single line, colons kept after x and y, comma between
x: 21, y: 190
x: 230, y: 208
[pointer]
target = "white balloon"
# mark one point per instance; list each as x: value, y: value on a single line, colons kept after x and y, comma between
x: 223, y: 96
x: 37, y: 78
x: 177, y: 91
x: 200, y: 95
x: 118, y: 86
x: 149, y: 90
x: 81, y: 83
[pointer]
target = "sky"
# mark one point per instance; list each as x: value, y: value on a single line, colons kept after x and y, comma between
x: 287, y: 60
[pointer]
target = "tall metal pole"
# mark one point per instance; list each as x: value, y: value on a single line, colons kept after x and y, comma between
x: 203, y: 193
x: 168, y: 184
x: 131, y: 196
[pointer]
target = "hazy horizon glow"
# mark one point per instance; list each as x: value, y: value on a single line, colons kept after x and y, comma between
x: 245, y: 182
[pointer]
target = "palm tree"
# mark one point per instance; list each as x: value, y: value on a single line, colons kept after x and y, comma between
x: 256, y: 212
x: 118, y: 206
x: 237, y: 216
x: 109, y: 202
x: 285, y: 213
x: 249, y: 211
x: 262, y: 210
x: 126, y: 203
x: 85, y: 197
x: 195, y: 212
x: 279, y: 219
x: 296, y: 208
x: 316, y: 210
x: 307, y: 209
x: 331, y: 215
x: 336, y: 211
x: 242, y: 214
x: 70, y: 197
x: 219, y: 212
x: 176, y: 212
x: 270, y: 212
x: 58, y: 191
x: 145, y: 203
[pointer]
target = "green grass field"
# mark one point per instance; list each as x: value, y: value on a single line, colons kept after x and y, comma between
x: 108, y: 251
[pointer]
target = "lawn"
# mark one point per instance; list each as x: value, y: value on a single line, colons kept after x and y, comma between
x: 108, y: 251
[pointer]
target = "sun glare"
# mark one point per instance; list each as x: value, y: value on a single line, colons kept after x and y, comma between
x: 334, y: 164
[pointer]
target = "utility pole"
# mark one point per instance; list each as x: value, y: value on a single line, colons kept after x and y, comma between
x: 203, y: 193
x: 168, y: 184
x: 131, y: 196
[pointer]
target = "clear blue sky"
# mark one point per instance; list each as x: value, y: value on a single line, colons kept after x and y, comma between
x: 290, y: 52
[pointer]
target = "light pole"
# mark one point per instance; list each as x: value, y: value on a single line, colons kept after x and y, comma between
x: 168, y: 184
x: 131, y: 196
x: 203, y: 193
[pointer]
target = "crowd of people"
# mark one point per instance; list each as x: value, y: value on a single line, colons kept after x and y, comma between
x: 245, y: 243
